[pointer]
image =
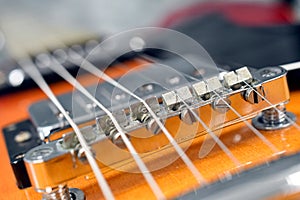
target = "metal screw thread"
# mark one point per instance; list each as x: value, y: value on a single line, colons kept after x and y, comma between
x: 272, y: 116
x: 110, y: 131
x: 59, y: 193
x: 143, y: 115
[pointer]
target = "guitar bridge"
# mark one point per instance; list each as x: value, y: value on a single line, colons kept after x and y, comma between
x: 242, y: 90
x: 235, y: 88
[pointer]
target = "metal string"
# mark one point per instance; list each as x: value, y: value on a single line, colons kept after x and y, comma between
x: 86, y: 65
x: 273, y: 106
x: 28, y: 66
x: 210, y: 132
x: 250, y: 126
x: 59, y: 69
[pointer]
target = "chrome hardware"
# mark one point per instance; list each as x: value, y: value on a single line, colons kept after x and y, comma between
x: 244, y: 74
x: 270, y: 72
x: 213, y: 83
x: 184, y: 94
x: 117, y: 140
x: 105, y: 124
x: 62, y: 192
x: 51, y: 157
x: 173, y: 99
x: 254, y: 95
x: 47, y: 120
x: 188, y: 117
x: 274, y: 118
x: 231, y: 80
x: 153, y: 127
x: 139, y: 111
x: 235, y: 80
x: 70, y: 141
x: 204, y: 90
x: 201, y: 90
x: 134, y: 119
x: 76, y: 194
x: 132, y: 114
x: 220, y: 105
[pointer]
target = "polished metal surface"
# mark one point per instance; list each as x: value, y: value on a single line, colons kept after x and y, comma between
x: 274, y: 119
x: 187, y: 116
x: 76, y: 194
x: 59, y: 193
x: 53, y: 155
x: 254, y: 95
x: 62, y: 192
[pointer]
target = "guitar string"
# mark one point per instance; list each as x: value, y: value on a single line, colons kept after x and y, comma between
x: 189, y: 109
x: 274, y: 106
x: 210, y: 132
x: 28, y: 66
x: 88, y: 66
x: 60, y: 70
x: 287, y: 67
x: 250, y: 126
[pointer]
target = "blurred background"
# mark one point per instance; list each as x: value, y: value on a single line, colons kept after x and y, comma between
x: 255, y: 33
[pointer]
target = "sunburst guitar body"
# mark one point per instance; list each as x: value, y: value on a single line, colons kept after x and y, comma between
x: 235, y: 117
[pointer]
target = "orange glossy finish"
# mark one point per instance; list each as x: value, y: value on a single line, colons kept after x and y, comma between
x: 13, y: 108
x: 174, y: 179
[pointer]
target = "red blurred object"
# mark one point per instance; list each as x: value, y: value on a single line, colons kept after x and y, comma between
x: 254, y: 14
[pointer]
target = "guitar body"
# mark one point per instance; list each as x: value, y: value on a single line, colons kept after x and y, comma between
x: 174, y: 179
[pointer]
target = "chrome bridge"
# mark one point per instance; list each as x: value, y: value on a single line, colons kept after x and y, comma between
x: 252, y: 93
x: 245, y: 91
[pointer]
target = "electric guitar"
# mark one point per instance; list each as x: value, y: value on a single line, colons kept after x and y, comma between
x: 198, y: 133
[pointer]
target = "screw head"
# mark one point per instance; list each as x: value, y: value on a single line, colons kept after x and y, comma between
x: 261, y: 125
x: 221, y: 104
x: 153, y: 127
x: 254, y: 95
x: 41, y: 153
x: 187, y: 117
